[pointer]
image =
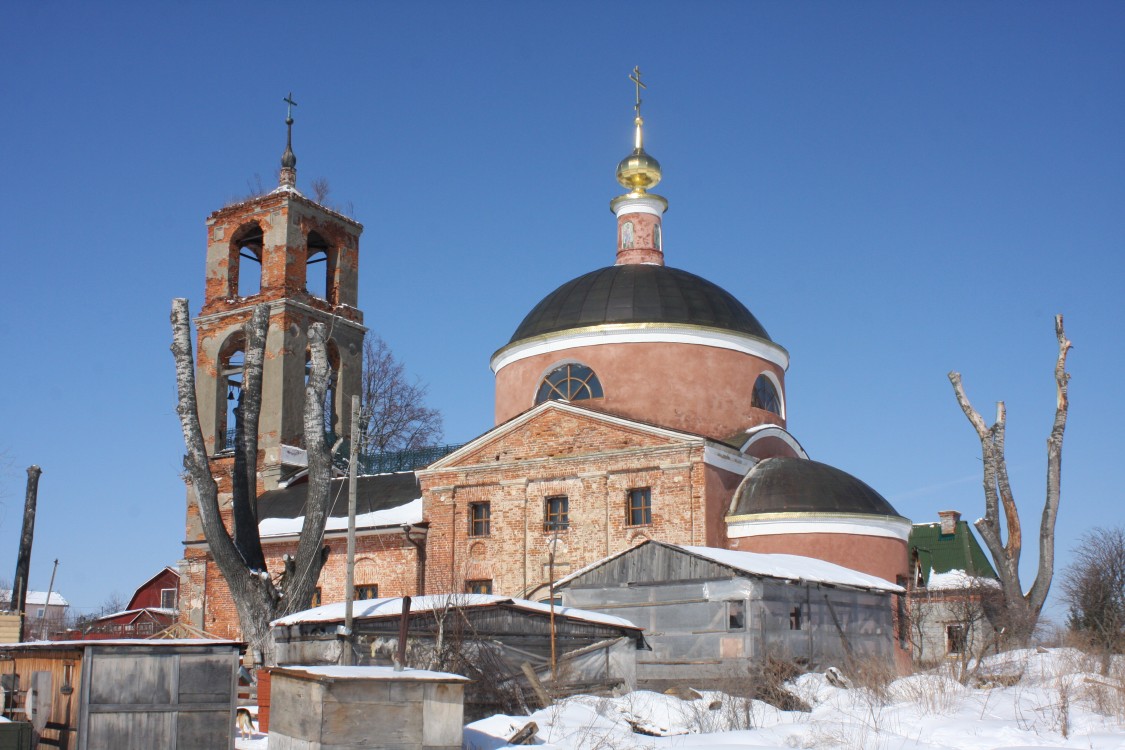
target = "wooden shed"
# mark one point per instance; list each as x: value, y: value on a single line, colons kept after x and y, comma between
x: 92, y: 695
x: 713, y: 615
x: 496, y: 641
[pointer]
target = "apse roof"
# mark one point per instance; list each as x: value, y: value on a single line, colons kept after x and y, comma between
x: 798, y: 485
x: 638, y: 293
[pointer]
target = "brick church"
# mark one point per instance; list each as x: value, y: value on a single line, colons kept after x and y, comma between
x: 637, y: 401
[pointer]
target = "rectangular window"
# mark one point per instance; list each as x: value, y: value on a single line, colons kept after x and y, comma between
x: 736, y: 615
x: 557, y: 517
x: 795, y: 618
x: 483, y: 586
x: 367, y: 591
x: 639, y: 511
x: 955, y: 639
x: 316, y: 597
x: 480, y: 519
x: 167, y: 598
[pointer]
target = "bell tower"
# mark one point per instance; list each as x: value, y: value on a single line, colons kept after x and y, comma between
x: 302, y: 259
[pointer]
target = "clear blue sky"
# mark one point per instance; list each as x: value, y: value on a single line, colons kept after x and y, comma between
x: 895, y: 190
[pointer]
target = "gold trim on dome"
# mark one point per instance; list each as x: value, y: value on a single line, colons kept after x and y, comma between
x: 809, y: 514
x: 613, y: 327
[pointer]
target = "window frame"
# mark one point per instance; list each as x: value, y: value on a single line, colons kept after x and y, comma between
x: 956, y: 639
x: 372, y: 588
x: 475, y: 522
x: 771, y: 380
x: 550, y: 387
x: 175, y: 596
x: 556, y: 513
x: 484, y: 584
x: 645, y: 507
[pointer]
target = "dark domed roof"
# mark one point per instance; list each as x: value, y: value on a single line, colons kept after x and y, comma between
x: 638, y: 293
x: 798, y: 485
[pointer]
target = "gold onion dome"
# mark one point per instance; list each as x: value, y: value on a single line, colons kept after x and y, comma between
x: 638, y: 171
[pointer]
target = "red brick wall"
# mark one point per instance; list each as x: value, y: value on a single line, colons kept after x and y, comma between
x: 590, y: 462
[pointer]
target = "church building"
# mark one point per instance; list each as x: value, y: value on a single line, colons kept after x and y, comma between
x: 636, y: 402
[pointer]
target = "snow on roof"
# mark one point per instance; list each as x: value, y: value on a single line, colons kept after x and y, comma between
x: 391, y: 607
x: 958, y: 579
x: 106, y: 642
x: 137, y: 610
x: 770, y: 565
x: 792, y: 568
x: 375, y: 673
x: 410, y: 512
x: 37, y: 597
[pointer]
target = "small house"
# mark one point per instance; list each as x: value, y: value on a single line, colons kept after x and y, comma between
x: 151, y: 609
x: 712, y: 615
x: 496, y: 641
x: 45, y: 612
x: 955, y: 593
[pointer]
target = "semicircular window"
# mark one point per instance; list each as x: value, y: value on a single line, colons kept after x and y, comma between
x: 569, y: 383
x: 765, y: 396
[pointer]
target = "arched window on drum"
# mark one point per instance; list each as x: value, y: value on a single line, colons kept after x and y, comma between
x: 570, y: 382
x: 765, y: 395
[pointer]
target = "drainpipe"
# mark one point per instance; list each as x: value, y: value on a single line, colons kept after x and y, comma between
x: 420, y: 545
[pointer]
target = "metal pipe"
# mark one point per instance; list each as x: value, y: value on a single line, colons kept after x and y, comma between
x: 347, y: 655
x: 404, y: 620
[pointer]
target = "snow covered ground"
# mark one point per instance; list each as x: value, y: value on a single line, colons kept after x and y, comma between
x: 1037, y: 699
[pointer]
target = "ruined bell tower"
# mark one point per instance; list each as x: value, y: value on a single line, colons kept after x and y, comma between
x: 302, y: 259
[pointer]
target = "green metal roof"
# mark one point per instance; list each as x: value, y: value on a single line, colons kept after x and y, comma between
x: 941, y: 553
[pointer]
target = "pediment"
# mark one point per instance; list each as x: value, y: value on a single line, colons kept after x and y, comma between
x: 557, y: 430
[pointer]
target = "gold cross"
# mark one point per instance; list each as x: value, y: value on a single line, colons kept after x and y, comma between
x: 289, y: 110
x: 636, y: 78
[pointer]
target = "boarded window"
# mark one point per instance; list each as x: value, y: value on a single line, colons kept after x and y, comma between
x: 557, y: 514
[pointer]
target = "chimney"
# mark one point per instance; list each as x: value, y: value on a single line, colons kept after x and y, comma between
x: 949, y: 519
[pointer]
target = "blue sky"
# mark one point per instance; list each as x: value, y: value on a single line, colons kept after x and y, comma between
x: 895, y: 190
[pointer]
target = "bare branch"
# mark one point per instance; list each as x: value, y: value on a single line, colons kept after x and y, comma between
x: 244, y: 481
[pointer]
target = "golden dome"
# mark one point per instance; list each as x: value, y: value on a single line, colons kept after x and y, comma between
x: 638, y: 171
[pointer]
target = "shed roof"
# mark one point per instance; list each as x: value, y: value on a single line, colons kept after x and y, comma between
x: 387, y: 608
x: 763, y: 565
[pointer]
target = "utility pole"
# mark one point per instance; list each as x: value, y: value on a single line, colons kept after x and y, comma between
x: 47, y: 604
x: 347, y: 655
x: 23, y: 559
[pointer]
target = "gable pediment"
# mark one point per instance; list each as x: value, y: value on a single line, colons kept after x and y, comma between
x: 557, y: 430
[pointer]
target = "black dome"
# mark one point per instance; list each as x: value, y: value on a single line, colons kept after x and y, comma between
x: 638, y: 293
x: 797, y: 485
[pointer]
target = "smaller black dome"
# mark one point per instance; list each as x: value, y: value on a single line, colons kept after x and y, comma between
x: 798, y: 485
x: 638, y: 293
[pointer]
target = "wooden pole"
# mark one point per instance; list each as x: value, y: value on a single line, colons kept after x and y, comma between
x: 27, y: 536
x: 47, y: 604
x: 347, y: 655
x: 551, y: 593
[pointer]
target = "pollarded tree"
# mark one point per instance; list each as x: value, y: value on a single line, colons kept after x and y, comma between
x: 258, y: 597
x: 1021, y: 610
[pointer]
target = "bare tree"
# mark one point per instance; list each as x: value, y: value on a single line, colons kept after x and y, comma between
x: 1094, y: 589
x: 394, y: 415
x: 1021, y: 609
x: 321, y: 188
x: 258, y: 597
